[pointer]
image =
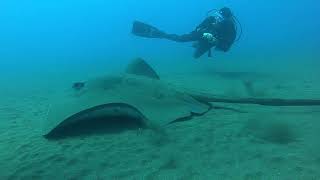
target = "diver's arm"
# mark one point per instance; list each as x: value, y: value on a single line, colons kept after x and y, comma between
x: 206, y: 23
x: 209, y: 38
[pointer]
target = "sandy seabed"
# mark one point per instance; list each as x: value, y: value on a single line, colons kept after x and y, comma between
x: 233, y: 142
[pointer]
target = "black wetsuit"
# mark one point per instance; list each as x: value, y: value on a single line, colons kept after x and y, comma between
x: 224, y: 31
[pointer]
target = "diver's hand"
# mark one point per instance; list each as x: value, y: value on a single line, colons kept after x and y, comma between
x: 209, y: 37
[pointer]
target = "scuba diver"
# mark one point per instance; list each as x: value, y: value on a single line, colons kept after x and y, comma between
x: 218, y: 31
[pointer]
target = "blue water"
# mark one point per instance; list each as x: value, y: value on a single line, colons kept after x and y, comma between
x: 38, y: 32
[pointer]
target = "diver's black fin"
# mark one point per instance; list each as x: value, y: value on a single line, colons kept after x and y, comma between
x: 141, y: 68
x: 146, y: 30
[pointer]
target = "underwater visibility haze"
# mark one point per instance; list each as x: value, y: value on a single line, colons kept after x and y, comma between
x: 84, y: 96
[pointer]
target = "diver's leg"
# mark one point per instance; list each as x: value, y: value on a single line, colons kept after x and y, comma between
x: 182, y: 38
x: 148, y: 31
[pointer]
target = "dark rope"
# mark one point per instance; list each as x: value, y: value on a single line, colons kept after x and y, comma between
x: 259, y: 101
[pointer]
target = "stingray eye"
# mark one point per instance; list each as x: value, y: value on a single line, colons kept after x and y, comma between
x: 78, y: 85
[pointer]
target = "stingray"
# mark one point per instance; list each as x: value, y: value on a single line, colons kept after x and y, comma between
x: 134, y: 99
